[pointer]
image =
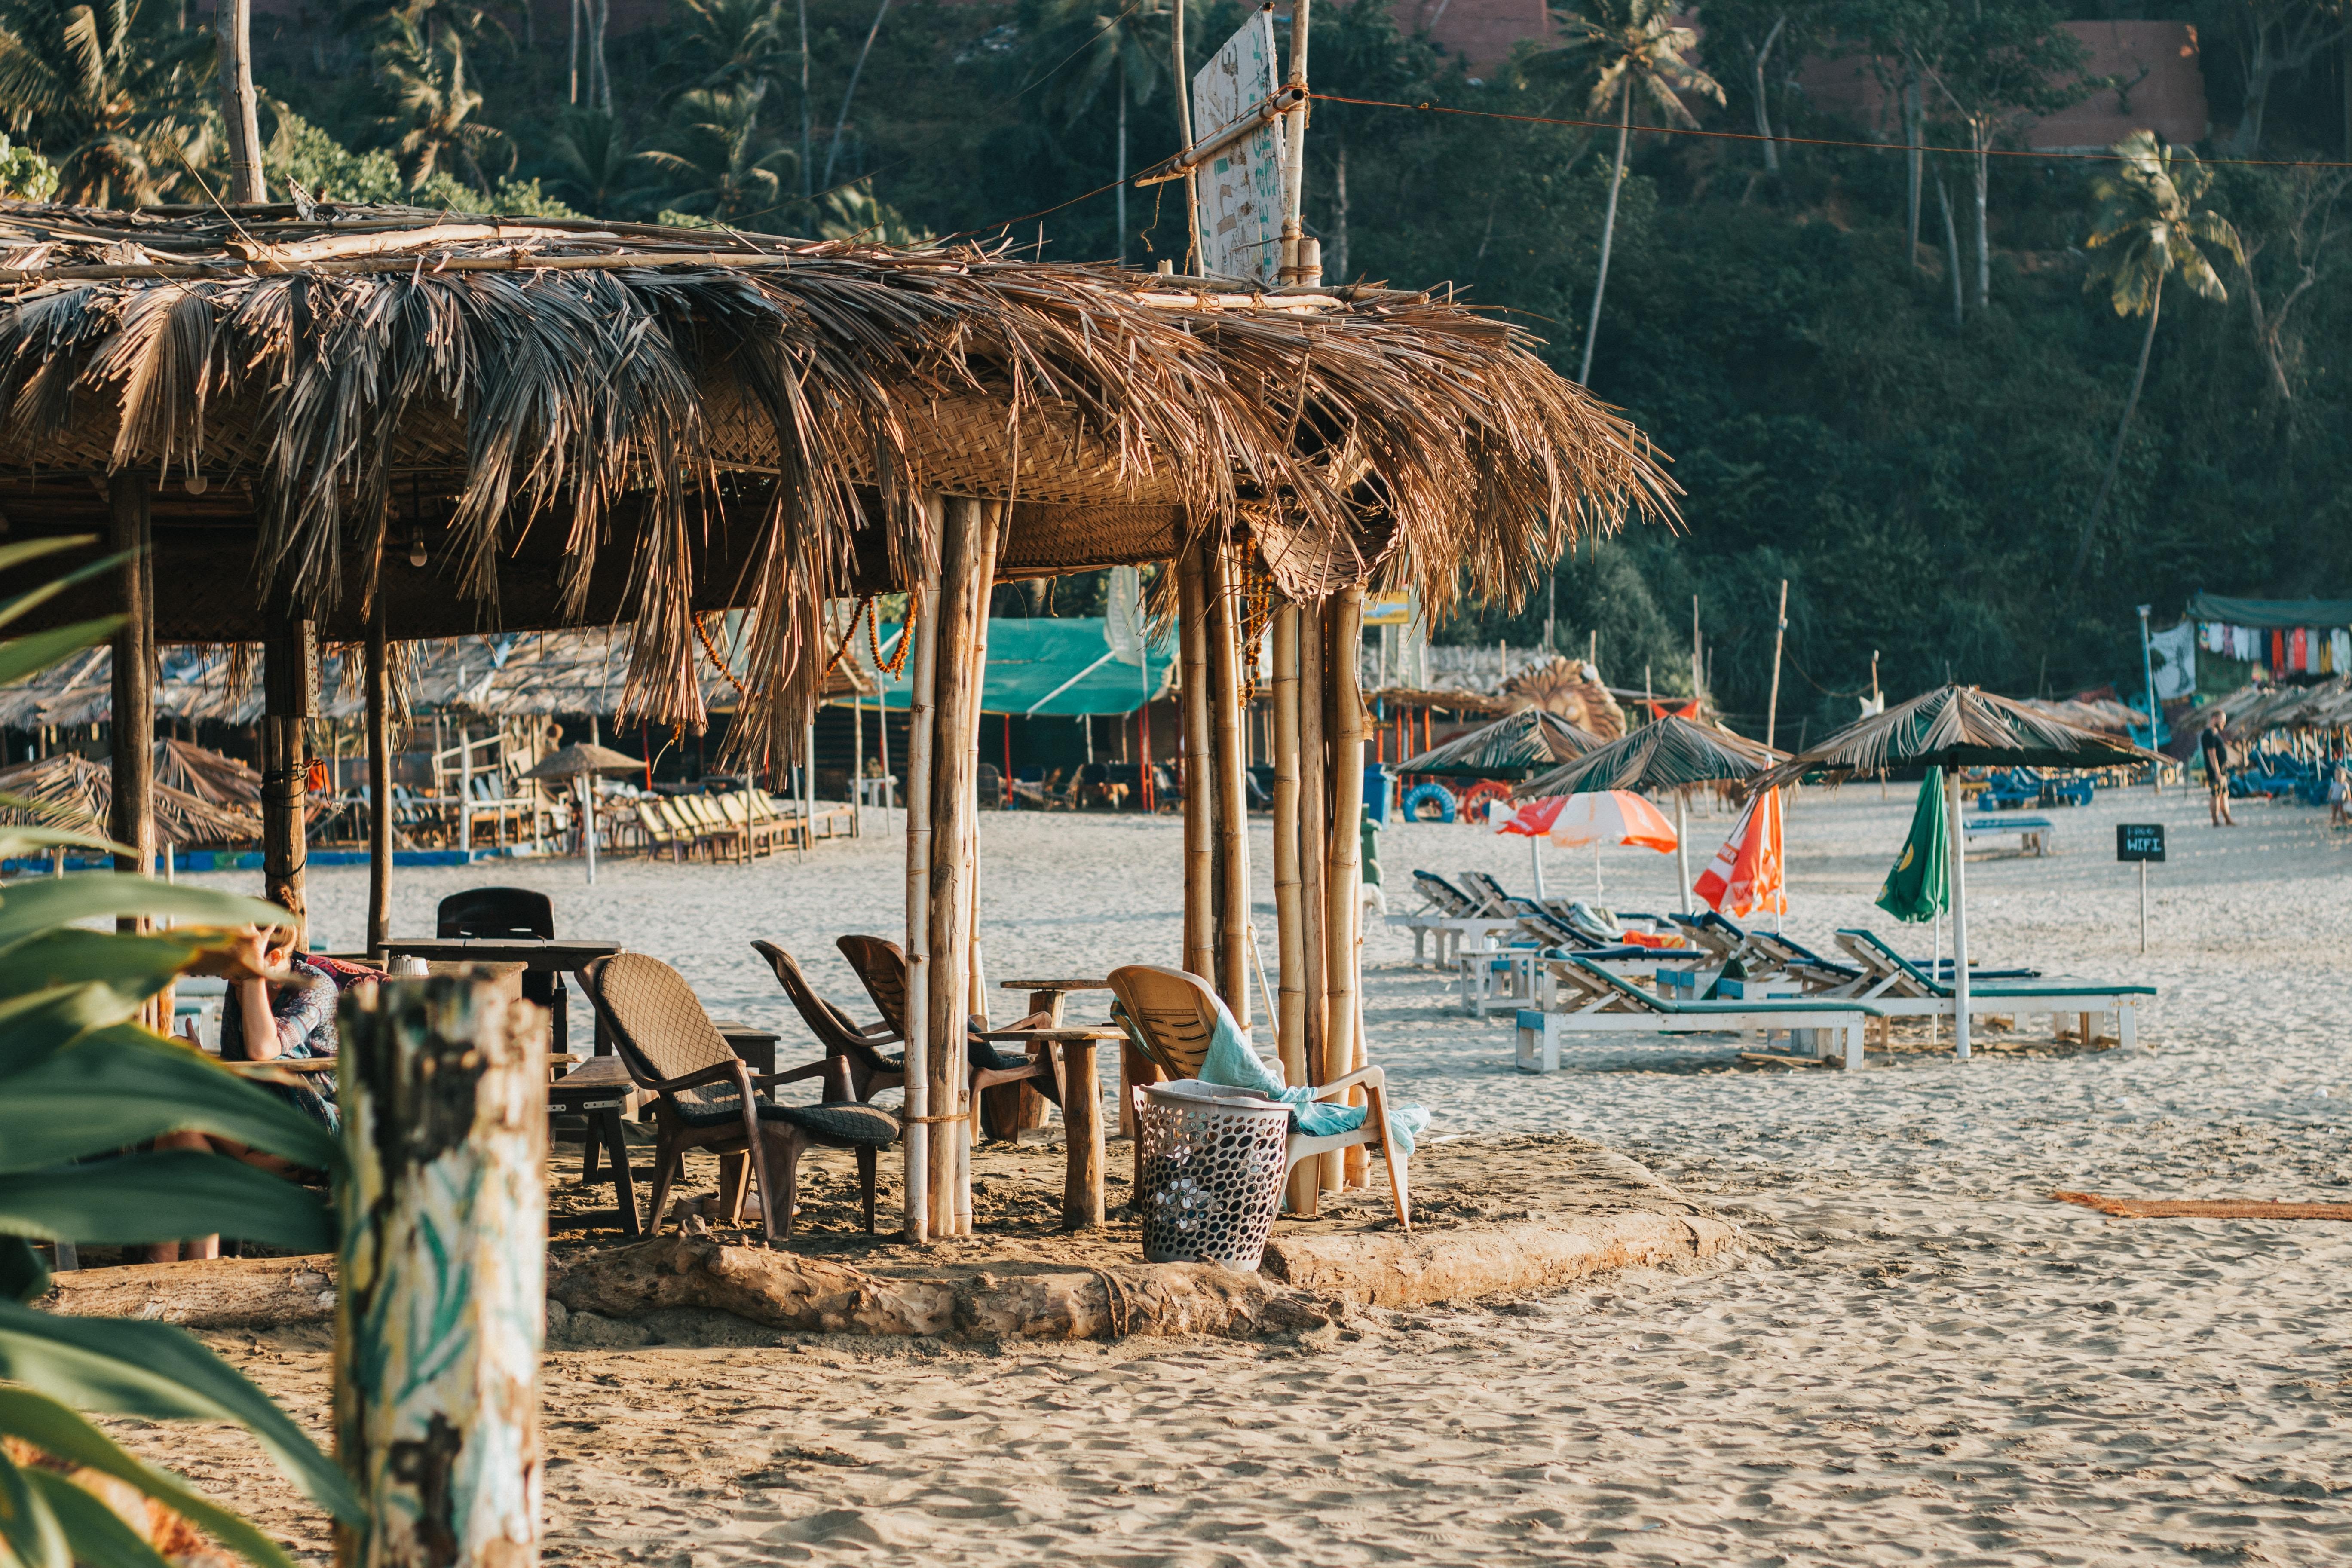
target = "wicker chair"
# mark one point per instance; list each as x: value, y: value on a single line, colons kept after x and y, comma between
x: 870, y: 1070
x: 708, y: 1099
x: 997, y: 1077
x: 1169, y: 1016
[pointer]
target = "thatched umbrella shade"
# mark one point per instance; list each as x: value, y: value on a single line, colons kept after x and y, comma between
x: 1670, y: 753
x: 1514, y: 746
x: 581, y: 761
x: 1955, y: 727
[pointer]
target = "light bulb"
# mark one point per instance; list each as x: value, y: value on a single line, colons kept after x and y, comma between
x: 416, y: 547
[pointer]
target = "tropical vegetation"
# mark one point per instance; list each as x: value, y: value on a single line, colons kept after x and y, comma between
x: 82, y: 1080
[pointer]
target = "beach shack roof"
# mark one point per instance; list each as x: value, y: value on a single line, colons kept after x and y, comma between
x: 581, y: 422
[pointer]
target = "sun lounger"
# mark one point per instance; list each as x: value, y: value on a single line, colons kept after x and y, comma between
x: 1899, y: 988
x: 1453, y: 916
x: 1591, y: 999
x: 2034, y: 833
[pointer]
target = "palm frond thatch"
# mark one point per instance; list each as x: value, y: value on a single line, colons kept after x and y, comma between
x: 612, y: 380
x: 1671, y: 754
x: 1956, y: 727
x: 1514, y: 746
x: 70, y: 791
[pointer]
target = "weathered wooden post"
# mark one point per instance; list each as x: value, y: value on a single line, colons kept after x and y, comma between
x: 1220, y: 587
x: 1343, y: 880
x: 1200, y: 775
x: 132, y: 534
x: 289, y: 679
x: 379, y: 761
x: 444, y: 1274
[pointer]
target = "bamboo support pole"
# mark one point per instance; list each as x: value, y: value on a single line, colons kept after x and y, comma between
x: 923, y: 617
x: 289, y: 679
x: 966, y: 552
x: 1225, y: 700
x: 443, y: 1279
x: 1343, y: 873
x: 1290, y: 964
x: 130, y: 532
x: 379, y: 761
x: 1314, y: 833
x: 1199, y: 844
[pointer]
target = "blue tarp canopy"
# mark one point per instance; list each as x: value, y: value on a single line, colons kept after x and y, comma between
x: 1051, y: 665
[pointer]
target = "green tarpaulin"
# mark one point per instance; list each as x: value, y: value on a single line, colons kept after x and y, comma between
x: 2284, y: 613
x: 1919, y: 884
x: 1055, y: 665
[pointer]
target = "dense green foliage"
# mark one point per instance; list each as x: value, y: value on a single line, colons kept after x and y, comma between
x: 1918, y: 457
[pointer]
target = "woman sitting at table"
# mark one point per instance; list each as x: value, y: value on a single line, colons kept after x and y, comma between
x: 264, y: 1021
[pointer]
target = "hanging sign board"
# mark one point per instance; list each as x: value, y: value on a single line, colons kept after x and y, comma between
x: 2139, y: 841
x: 1241, y: 195
x: 1389, y: 609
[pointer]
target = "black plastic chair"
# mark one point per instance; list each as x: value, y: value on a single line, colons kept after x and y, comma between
x: 510, y: 912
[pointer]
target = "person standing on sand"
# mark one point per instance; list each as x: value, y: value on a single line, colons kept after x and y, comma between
x: 2216, y: 754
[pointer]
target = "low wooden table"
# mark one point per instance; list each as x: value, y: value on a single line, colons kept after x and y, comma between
x: 557, y: 957
x: 1082, y: 1185
x: 600, y: 1090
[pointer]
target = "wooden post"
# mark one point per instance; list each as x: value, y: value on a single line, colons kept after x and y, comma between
x: 233, y: 23
x: 132, y: 531
x: 289, y: 669
x: 1343, y: 873
x: 967, y: 549
x: 1314, y: 832
x: 1224, y: 702
x: 1290, y: 1025
x: 1199, y: 793
x: 1780, y: 631
x: 923, y: 625
x: 379, y: 744
x: 1082, y: 1183
x: 443, y: 1283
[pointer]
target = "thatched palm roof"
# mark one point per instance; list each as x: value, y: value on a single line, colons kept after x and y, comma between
x: 70, y: 791
x: 1956, y: 727
x: 749, y: 420
x: 1528, y: 742
x: 1670, y: 753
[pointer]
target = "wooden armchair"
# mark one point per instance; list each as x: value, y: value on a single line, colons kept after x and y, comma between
x: 858, y: 1047
x: 708, y: 1097
x: 998, y: 1077
x: 1169, y: 1016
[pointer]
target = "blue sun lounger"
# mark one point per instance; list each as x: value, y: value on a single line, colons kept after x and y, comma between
x: 1591, y: 999
x: 1901, y: 989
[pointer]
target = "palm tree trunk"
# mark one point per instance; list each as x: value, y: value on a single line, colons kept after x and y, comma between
x: 1982, y: 136
x: 1952, y: 253
x: 807, y: 148
x: 1122, y: 168
x: 2115, y: 459
x: 234, y: 22
x: 832, y: 148
x: 575, y: 51
x: 1340, y: 216
x: 1916, y: 159
x: 1608, y: 228
x: 1763, y: 109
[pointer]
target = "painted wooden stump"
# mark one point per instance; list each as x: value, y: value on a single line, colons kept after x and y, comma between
x: 443, y: 1273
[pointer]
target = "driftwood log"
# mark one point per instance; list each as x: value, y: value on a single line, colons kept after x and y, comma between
x: 217, y: 1293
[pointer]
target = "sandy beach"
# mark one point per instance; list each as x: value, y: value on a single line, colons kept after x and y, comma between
x: 1918, y: 1358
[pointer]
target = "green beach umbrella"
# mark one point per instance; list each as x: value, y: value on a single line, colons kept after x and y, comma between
x: 1919, y: 884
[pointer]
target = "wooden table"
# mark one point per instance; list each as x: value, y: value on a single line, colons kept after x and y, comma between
x: 1082, y: 1142
x: 600, y: 1090
x: 1046, y: 997
x: 557, y: 957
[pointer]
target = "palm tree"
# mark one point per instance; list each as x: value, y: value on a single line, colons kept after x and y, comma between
x: 1127, y: 49
x: 719, y: 162
x: 855, y: 213
x: 735, y: 43
x: 2145, y: 226
x: 429, y: 88
x: 589, y: 162
x: 119, y: 110
x: 1636, y: 48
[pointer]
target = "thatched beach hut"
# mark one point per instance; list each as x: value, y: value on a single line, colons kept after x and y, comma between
x: 368, y: 424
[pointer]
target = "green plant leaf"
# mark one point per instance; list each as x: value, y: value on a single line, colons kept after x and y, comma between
x: 28, y: 909
x: 34, y: 1027
x: 58, y: 1431
x: 36, y: 651
x: 130, y: 966
x: 16, y: 840
x: 50, y: 590
x: 27, y: 1528
x: 118, y: 1086
x: 170, y: 1194
x: 125, y: 1367
x: 98, y: 1534
x: 23, y: 1274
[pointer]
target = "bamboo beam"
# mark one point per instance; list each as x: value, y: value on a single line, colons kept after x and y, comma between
x: 1343, y: 873
x: 1314, y: 832
x: 290, y: 660
x: 379, y: 761
x: 1226, y: 654
x: 923, y: 626
x: 130, y: 532
x: 966, y: 550
x: 443, y: 1092
x: 1199, y: 793
x: 1290, y: 924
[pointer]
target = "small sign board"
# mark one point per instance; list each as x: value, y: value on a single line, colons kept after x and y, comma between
x: 1241, y: 187
x: 2139, y: 841
x: 1389, y: 608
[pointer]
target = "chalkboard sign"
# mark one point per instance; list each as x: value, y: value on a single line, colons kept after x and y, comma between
x: 2139, y: 841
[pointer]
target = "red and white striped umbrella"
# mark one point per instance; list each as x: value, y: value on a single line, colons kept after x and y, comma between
x: 1602, y: 817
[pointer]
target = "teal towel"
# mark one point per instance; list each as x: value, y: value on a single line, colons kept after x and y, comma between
x: 1233, y: 1063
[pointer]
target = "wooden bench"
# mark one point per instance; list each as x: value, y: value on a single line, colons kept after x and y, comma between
x: 2034, y: 833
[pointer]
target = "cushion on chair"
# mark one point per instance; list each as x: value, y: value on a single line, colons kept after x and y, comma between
x: 845, y: 1122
